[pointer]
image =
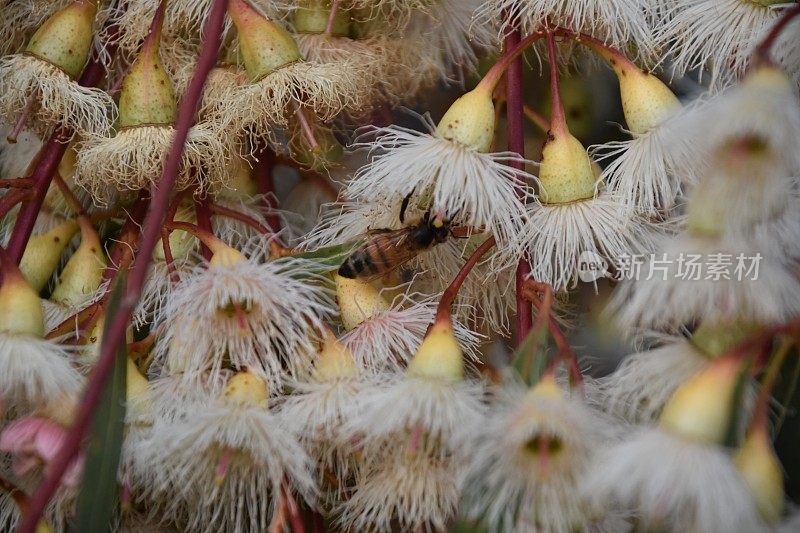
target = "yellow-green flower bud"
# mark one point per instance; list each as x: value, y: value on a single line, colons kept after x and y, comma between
x: 761, y: 470
x: 65, y: 39
x: 701, y: 408
x: 263, y: 45
x: 83, y: 273
x: 439, y: 356
x: 245, y: 389
x: 470, y: 120
x: 566, y: 172
x: 358, y: 300
x: 147, y: 96
x: 335, y: 361
x: 313, y: 15
x: 20, y: 307
x: 43, y: 254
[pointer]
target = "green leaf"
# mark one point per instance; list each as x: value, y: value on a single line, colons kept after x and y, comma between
x: 326, y: 259
x: 99, y: 493
x: 739, y: 412
x: 530, y: 359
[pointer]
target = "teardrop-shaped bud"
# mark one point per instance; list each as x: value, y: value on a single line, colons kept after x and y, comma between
x: 181, y: 243
x: 65, y: 39
x: 263, y: 45
x: 701, y: 408
x: 137, y: 392
x: 20, y: 307
x: 335, y: 360
x: 318, y: 158
x: 245, y: 389
x: 83, y: 273
x: 761, y: 470
x: 148, y: 95
x: 566, y: 172
x: 439, y: 356
x: 241, y: 185
x: 716, y: 338
x: 223, y: 255
x: 470, y: 120
x: 358, y: 300
x: 43, y: 254
x: 646, y: 100
x: 312, y: 17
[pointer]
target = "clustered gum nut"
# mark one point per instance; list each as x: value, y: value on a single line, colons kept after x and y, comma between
x: 43, y: 254
x: 358, y: 300
x: 263, y: 45
x: 21, y: 309
x: 83, y: 273
x: 312, y: 17
x: 566, y: 172
x: 65, y: 39
x: 245, y: 389
x: 761, y: 470
x: 147, y: 97
x: 701, y: 408
x: 470, y: 120
x: 335, y: 361
x: 439, y: 356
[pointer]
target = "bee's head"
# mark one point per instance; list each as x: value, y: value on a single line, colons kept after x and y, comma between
x: 440, y: 227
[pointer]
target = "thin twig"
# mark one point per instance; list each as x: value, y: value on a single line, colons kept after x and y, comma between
x: 516, y: 143
x: 450, y: 293
x: 16, y: 183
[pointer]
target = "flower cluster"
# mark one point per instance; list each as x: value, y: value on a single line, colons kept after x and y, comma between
x: 244, y: 288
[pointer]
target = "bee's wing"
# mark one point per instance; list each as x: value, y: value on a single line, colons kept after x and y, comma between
x: 389, y: 251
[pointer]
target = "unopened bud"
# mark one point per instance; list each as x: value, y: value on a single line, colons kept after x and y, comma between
x: 83, y: 273
x: 20, y: 307
x: 701, y: 408
x: 566, y: 172
x: 247, y: 390
x: 761, y: 470
x: 358, y: 300
x: 335, y: 361
x: 65, y: 39
x: 439, y: 356
x: 470, y: 120
x: 43, y: 254
x: 263, y: 45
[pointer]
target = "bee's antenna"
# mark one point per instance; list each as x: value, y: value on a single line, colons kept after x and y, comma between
x: 404, y: 206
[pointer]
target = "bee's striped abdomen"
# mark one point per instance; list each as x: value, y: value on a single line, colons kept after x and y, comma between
x: 369, y: 260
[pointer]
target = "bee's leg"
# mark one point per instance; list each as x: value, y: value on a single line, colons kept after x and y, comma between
x: 404, y: 206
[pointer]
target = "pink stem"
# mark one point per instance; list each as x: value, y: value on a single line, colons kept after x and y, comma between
x: 262, y: 173
x: 450, y: 293
x: 12, y: 137
x: 558, y: 120
x: 332, y: 18
x: 203, y: 213
x: 763, y: 49
x: 115, y: 334
x: 516, y: 143
x: 223, y: 465
x: 305, y: 126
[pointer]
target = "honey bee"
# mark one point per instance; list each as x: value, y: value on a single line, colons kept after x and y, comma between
x: 386, y: 250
